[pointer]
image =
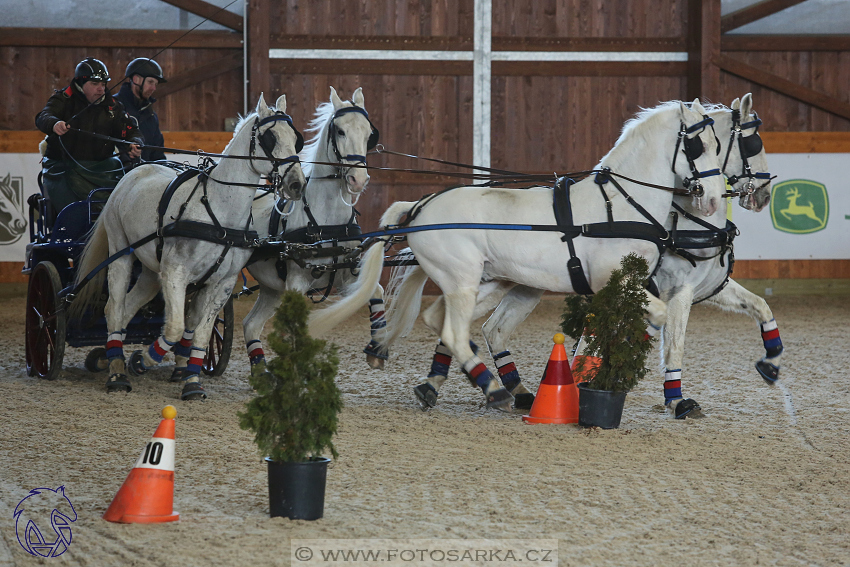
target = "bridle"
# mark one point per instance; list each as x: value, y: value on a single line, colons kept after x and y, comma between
x: 353, y: 159
x: 268, y: 143
x: 693, y: 148
x: 748, y: 146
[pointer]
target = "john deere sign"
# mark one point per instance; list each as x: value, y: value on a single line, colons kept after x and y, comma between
x: 799, y: 206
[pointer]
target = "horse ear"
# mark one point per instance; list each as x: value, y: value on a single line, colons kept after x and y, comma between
x: 697, y: 107
x: 736, y: 104
x: 262, y: 107
x: 280, y: 105
x: 747, y: 105
x: 335, y: 100
x: 357, y: 98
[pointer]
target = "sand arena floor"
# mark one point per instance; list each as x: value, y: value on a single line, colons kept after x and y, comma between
x: 763, y: 479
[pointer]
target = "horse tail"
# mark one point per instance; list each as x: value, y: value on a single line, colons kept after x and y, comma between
x: 404, y: 293
x: 95, y: 252
x: 357, y: 294
x: 393, y: 214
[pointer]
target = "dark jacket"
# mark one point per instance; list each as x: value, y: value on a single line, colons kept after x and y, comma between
x: 142, y: 111
x: 106, y: 117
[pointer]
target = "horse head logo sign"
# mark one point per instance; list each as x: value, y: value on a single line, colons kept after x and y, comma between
x: 43, y: 507
x: 799, y: 206
x: 12, y: 220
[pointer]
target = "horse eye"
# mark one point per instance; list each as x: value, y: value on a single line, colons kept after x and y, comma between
x: 341, y: 132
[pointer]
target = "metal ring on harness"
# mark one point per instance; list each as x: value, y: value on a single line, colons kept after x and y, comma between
x: 287, y: 203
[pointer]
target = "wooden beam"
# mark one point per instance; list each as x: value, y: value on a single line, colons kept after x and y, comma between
x: 754, y: 12
x: 210, y: 12
x: 460, y: 43
x: 139, y: 39
x: 200, y: 74
x: 806, y: 142
x: 784, y: 86
x: 370, y: 67
x: 703, y: 49
x: 259, y: 32
x: 590, y: 68
x: 741, y: 42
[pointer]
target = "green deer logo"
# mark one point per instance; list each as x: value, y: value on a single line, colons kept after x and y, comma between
x: 799, y: 206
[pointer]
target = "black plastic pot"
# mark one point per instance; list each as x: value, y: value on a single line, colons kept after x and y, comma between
x: 599, y: 408
x: 297, y: 490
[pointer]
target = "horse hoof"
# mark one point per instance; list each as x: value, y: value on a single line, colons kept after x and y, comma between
x: 523, y: 401
x: 96, y: 360
x: 688, y: 408
x: 374, y: 362
x: 118, y: 383
x: 427, y: 395
x: 193, y: 391
x: 769, y: 372
x: 500, y: 399
x: 136, y: 364
x: 178, y: 375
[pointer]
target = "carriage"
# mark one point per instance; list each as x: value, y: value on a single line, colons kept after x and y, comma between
x: 50, y: 264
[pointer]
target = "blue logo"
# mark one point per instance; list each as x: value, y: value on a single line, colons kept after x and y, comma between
x: 42, y: 507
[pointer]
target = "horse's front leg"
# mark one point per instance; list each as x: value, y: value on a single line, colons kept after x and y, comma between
x: 377, y: 321
x: 735, y: 298
x: 673, y: 352
x: 252, y: 326
x: 512, y: 310
x: 460, y: 305
x: 201, y: 318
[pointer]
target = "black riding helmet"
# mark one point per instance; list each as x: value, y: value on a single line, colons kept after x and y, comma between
x: 91, y: 69
x: 146, y: 68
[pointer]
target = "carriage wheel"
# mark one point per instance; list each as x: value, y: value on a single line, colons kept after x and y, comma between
x: 221, y: 342
x: 45, y: 325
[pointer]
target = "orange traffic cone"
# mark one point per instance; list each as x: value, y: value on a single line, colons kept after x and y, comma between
x: 147, y: 496
x: 588, y: 369
x: 557, y: 396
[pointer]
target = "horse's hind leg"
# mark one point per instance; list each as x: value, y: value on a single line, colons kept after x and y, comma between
x: 673, y: 352
x: 374, y: 356
x: 512, y: 310
x: 735, y: 298
x: 119, y: 279
x: 460, y: 304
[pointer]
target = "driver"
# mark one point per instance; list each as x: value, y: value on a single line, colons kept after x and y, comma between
x: 75, y: 163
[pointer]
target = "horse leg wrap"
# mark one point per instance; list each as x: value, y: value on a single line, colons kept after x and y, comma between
x: 440, y: 363
x: 507, y: 369
x: 672, y: 387
x: 255, y: 352
x: 183, y: 349
x: 196, y: 362
x: 377, y: 322
x: 651, y: 330
x: 476, y: 371
x: 770, y: 337
x: 156, y: 351
x: 115, y: 346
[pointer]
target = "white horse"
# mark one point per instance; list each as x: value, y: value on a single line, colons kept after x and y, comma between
x: 11, y: 218
x: 457, y: 260
x: 209, y: 244
x: 344, y: 134
x: 680, y: 281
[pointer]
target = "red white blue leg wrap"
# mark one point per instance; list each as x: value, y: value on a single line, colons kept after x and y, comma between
x: 770, y: 336
x: 507, y: 369
x: 115, y: 345
x: 672, y: 386
x: 255, y: 352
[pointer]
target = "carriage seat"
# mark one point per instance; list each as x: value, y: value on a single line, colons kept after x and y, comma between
x: 72, y: 223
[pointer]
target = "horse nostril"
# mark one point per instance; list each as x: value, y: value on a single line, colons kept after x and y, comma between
x: 295, y: 186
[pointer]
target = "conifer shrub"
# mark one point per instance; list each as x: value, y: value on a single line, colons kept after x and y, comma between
x: 294, y: 415
x: 613, y: 323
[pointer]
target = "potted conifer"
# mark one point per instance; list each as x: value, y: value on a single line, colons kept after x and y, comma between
x: 614, y: 326
x: 294, y: 415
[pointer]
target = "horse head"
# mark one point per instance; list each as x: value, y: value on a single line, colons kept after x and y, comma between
x: 278, y: 138
x: 11, y: 217
x: 748, y: 157
x: 351, y: 135
x: 700, y: 169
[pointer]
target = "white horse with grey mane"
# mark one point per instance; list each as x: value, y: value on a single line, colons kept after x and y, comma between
x: 204, y: 239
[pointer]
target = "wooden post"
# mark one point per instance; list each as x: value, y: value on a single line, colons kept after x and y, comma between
x: 704, y: 50
x: 258, y: 52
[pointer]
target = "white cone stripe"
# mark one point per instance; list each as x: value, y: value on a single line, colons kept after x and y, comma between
x: 158, y: 454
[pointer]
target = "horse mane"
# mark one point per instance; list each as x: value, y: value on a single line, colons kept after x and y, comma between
x: 238, y: 127
x: 317, y: 126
